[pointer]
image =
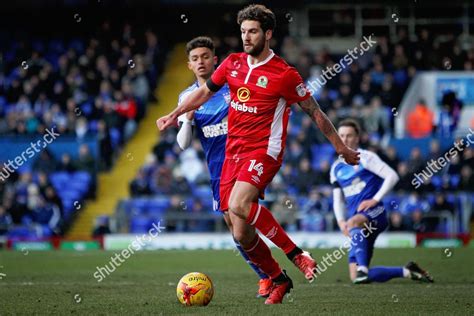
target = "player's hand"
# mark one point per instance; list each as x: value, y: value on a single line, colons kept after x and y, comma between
x: 166, y: 121
x: 366, y: 204
x: 343, y: 227
x: 350, y: 156
x: 190, y: 115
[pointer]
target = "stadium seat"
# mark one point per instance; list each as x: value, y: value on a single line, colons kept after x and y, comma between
x: 140, y: 224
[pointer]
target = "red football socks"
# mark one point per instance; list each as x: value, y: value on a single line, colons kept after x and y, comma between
x: 262, y: 219
x: 261, y: 256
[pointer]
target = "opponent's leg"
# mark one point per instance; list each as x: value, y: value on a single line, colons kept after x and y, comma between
x: 360, y: 246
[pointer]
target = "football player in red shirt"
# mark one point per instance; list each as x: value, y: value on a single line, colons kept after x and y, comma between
x: 263, y: 87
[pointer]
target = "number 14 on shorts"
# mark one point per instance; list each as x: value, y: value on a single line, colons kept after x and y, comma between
x: 256, y: 166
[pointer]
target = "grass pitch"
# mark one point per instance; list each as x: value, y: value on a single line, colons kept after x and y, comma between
x: 61, y: 282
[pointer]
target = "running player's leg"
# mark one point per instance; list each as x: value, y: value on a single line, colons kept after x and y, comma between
x: 256, y: 248
x: 257, y: 270
x: 254, y: 176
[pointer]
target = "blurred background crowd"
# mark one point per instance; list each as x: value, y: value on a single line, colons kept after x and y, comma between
x: 98, y: 85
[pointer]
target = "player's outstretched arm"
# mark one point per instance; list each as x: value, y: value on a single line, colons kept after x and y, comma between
x: 192, y: 102
x: 311, y: 107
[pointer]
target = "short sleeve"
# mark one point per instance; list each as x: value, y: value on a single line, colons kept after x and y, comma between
x: 293, y: 88
x: 218, y: 78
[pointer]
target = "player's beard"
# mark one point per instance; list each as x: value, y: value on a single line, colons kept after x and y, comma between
x: 257, y: 49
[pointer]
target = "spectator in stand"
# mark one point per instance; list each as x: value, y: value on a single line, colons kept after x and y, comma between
x: 404, y: 184
x: 375, y: 118
x: 307, y: 177
x: 313, y: 211
x: 454, y: 107
x: 420, y: 121
x: 466, y: 182
x: 105, y: 145
x: 414, y: 207
x: 85, y: 161
x: 5, y: 220
x: 440, y: 206
x: 468, y: 157
x: 66, y: 163
x: 139, y: 186
x: 391, y: 158
x: 416, y: 161
x: 177, y: 206
x: 435, y: 151
x: 454, y: 166
x: 285, y: 212
x: 127, y: 111
x: 42, y: 182
x: 45, y: 162
x: 101, y: 227
x: 50, y: 196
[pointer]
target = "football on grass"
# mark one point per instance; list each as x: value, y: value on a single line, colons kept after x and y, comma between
x: 195, y: 289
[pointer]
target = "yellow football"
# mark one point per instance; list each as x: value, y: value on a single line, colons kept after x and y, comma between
x: 195, y: 289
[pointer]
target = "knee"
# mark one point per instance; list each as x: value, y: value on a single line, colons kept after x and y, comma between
x: 243, y: 238
x: 353, y: 223
x: 239, y: 208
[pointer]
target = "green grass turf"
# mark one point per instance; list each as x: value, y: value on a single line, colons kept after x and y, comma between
x: 52, y: 282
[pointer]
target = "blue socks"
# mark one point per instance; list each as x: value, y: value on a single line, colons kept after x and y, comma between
x: 257, y: 270
x: 361, y: 246
x: 362, y: 255
x: 383, y: 274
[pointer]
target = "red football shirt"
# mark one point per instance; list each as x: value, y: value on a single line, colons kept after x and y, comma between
x: 261, y: 96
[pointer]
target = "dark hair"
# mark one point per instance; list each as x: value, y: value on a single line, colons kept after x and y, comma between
x: 260, y: 13
x: 200, y: 41
x: 350, y: 123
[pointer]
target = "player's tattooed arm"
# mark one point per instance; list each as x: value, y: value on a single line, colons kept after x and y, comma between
x: 312, y: 108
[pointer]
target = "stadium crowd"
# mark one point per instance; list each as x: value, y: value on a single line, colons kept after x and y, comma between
x: 96, y: 86
x: 300, y: 195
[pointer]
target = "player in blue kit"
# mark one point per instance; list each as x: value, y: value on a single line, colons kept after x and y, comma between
x: 362, y: 187
x: 210, y: 125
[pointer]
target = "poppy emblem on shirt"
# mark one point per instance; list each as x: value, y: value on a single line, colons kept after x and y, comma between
x: 301, y: 90
x: 243, y: 94
x: 262, y: 81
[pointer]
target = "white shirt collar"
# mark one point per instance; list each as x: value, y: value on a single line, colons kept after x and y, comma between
x: 263, y: 62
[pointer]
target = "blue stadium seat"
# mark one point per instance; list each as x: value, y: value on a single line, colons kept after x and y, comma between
x: 82, y: 176
x: 140, y: 224
x: 21, y: 232
x: 159, y: 203
x: 203, y: 192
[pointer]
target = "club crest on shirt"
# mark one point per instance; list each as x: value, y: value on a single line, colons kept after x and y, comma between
x: 301, y: 90
x: 262, y: 81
